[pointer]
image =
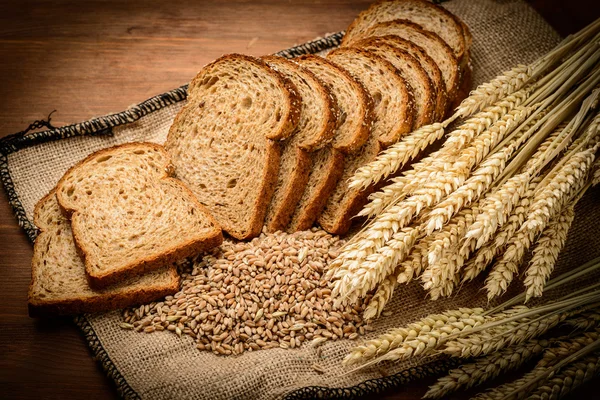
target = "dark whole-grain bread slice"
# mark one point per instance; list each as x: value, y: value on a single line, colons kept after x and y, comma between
x: 220, y: 141
x: 354, y: 103
x: 393, y: 100
x: 318, y: 120
x: 412, y: 72
x: 327, y: 166
x: 430, y: 16
x: 59, y: 284
x: 345, y: 202
x: 129, y: 216
x: 433, y: 45
x: 427, y: 63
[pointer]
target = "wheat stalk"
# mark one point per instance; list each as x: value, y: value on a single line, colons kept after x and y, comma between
x: 447, y: 322
x: 546, y: 252
x: 485, y: 368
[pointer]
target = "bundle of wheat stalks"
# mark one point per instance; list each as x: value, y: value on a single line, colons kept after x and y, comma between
x: 504, y: 181
x: 564, y: 335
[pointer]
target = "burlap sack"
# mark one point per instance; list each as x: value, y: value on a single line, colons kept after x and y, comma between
x: 162, y: 365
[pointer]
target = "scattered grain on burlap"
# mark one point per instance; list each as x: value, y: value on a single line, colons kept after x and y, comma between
x: 164, y: 365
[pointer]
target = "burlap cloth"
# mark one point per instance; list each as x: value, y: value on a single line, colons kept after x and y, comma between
x: 162, y: 365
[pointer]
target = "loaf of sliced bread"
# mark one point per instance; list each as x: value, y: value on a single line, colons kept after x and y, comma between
x: 430, y: 16
x: 433, y: 45
x: 129, y: 217
x: 411, y: 70
x: 393, y: 100
x: 220, y: 142
x: 427, y: 63
x: 316, y: 128
x: 59, y: 284
x: 354, y: 103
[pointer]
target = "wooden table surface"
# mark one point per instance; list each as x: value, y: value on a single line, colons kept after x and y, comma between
x: 85, y: 59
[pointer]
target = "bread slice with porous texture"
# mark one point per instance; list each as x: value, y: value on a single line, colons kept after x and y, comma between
x: 353, y: 101
x: 427, y: 63
x: 220, y: 142
x: 356, y: 113
x: 433, y: 45
x: 129, y: 216
x: 59, y: 284
x: 430, y: 16
x: 315, y: 130
x: 411, y: 70
x: 393, y: 100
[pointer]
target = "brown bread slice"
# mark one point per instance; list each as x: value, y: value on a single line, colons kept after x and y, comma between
x: 129, y: 217
x: 430, y: 16
x: 345, y: 202
x: 354, y: 103
x: 355, y: 106
x: 59, y: 285
x: 219, y: 142
x: 411, y: 70
x: 433, y: 45
x: 318, y: 119
x: 393, y: 101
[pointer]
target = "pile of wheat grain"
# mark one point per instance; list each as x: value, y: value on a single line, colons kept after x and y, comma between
x: 257, y: 295
x: 504, y: 181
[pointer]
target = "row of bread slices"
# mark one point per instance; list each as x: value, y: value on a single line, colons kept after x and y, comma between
x: 273, y: 141
x: 259, y: 140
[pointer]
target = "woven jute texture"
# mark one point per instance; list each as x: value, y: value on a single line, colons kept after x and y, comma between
x: 162, y: 365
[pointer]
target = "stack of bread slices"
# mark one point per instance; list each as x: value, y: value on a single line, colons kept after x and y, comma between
x: 262, y: 143
x: 273, y: 142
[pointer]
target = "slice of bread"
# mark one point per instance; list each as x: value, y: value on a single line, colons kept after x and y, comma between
x: 427, y: 63
x: 220, y: 141
x: 318, y: 121
x: 428, y: 15
x: 129, y: 217
x: 59, y: 284
x: 411, y: 70
x: 327, y: 168
x: 354, y: 103
x: 393, y: 100
x: 345, y: 202
x: 433, y: 45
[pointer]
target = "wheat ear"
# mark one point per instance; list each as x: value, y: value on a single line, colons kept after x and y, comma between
x: 495, y: 210
x: 485, y: 368
x: 596, y: 173
x: 396, y: 338
x: 382, y: 296
x: 546, y: 252
x: 569, y: 379
x: 587, y: 320
x: 499, y: 87
x: 398, y: 155
x: 415, y: 262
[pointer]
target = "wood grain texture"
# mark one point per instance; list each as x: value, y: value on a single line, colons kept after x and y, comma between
x: 85, y: 59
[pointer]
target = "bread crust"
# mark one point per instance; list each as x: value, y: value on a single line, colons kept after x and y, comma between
x: 293, y: 99
x: 186, y: 249
x: 108, y: 301
x: 354, y: 142
x: 304, y: 217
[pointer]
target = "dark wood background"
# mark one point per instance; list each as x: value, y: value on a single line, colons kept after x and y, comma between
x: 89, y: 58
